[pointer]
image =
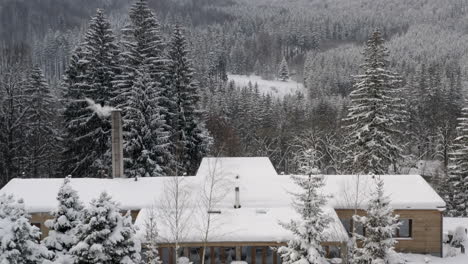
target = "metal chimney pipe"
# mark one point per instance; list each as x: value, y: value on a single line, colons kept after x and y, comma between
x: 117, y: 145
x: 237, y: 203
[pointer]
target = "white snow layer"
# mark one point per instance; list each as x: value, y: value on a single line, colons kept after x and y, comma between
x: 244, y: 224
x: 275, y: 88
x: 260, y: 187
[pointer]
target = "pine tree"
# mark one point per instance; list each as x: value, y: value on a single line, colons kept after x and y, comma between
x: 19, y: 241
x: 457, y: 199
x: 62, y: 227
x: 374, y: 114
x: 380, y: 225
x: 41, y: 126
x: 151, y: 235
x: 146, y: 133
x: 105, y: 236
x: 190, y: 138
x: 90, y: 74
x: 283, y: 73
x: 306, y: 247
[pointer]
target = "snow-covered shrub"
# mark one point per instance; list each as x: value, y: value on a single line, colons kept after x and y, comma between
x: 183, y: 260
x: 62, y: 227
x: 19, y: 240
x: 459, y: 237
x: 105, y: 236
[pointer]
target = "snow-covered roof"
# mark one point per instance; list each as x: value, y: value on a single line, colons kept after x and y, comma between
x: 260, y: 187
x: 244, y: 224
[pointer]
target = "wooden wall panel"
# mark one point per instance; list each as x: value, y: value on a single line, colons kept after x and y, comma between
x: 426, y: 230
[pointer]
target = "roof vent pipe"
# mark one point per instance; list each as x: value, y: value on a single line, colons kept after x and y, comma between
x: 117, y: 144
x: 237, y: 202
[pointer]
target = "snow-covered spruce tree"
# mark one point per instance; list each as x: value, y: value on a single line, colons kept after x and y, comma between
x: 146, y: 133
x: 89, y: 75
x: 105, y: 236
x: 142, y: 52
x: 41, y: 126
x: 308, y: 231
x: 19, y: 243
x: 151, y: 253
x: 457, y: 199
x: 62, y: 227
x: 374, y: 114
x: 190, y: 138
x: 380, y: 225
x: 283, y: 72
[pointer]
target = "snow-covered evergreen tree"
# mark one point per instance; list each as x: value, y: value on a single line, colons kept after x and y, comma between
x: 105, y: 236
x: 374, y: 113
x: 41, y: 126
x: 283, y: 72
x: 19, y: 240
x: 151, y: 252
x: 308, y: 231
x: 90, y: 73
x: 140, y: 85
x: 146, y: 133
x: 62, y: 227
x: 191, y: 139
x: 457, y: 200
x: 380, y: 224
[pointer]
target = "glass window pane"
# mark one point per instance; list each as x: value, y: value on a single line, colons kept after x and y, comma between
x: 359, y: 228
x: 347, y: 224
x: 165, y: 255
x: 334, y: 252
x: 258, y: 255
x: 404, y: 228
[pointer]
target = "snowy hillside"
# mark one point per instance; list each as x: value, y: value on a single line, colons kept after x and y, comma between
x: 274, y: 87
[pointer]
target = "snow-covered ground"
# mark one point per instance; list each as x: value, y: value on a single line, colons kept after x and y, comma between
x: 421, y: 259
x: 274, y: 87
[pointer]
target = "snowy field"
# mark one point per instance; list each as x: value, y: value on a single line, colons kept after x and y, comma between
x: 274, y: 87
x: 417, y: 258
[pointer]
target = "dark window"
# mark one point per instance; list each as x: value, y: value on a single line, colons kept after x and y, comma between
x: 347, y: 224
x: 38, y: 225
x: 405, y: 229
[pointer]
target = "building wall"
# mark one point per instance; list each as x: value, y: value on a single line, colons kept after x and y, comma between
x: 426, y: 235
x: 226, y: 252
x: 38, y: 220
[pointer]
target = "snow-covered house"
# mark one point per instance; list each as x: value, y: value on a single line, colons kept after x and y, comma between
x: 252, y: 202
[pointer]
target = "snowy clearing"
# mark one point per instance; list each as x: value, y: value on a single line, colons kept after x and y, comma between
x: 418, y: 258
x: 275, y: 88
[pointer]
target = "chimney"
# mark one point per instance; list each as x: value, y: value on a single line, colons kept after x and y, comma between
x: 117, y: 145
x: 237, y: 203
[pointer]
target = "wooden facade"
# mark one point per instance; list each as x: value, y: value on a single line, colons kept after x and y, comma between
x: 426, y: 230
x: 250, y: 252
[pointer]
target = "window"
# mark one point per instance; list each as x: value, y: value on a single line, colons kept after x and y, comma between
x: 405, y: 229
x: 38, y: 225
x: 347, y: 224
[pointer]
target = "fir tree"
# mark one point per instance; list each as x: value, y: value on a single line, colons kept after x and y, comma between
x: 190, y: 138
x: 105, y: 236
x: 374, y: 114
x: 62, y: 227
x: 308, y: 232
x: 90, y: 74
x: 457, y: 199
x: 41, y: 126
x: 283, y: 73
x: 19, y: 243
x: 146, y: 133
x: 380, y: 225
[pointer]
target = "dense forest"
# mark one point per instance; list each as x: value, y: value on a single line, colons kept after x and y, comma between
x: 321, y: 43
